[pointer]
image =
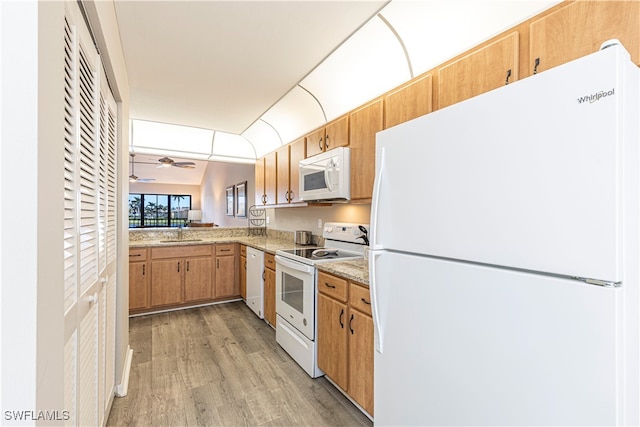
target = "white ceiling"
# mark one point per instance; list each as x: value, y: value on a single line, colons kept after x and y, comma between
x: 221, y: 64
x: 259, y: 74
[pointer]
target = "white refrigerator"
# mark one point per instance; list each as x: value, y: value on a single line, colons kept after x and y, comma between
x: 505, y: 257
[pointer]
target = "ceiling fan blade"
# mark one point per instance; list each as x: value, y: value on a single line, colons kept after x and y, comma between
x: 187, y: 165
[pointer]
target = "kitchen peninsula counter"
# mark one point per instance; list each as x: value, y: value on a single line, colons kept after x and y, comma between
x: 356, y: 270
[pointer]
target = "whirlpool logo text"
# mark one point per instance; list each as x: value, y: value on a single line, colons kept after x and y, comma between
x: 596, y: 96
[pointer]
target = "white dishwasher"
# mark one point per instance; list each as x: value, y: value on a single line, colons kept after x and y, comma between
x: 255, y: 281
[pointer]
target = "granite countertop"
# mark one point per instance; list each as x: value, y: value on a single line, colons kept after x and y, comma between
x: 356, y: 270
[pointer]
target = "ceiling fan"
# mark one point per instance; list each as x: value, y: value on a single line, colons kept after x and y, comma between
x: 166, y: 162
x: 133, y: 177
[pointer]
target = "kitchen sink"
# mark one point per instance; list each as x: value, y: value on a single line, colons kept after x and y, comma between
x: 180, y: 240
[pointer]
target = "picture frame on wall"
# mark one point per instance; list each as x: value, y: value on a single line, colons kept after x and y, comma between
x: 241, y: 200
x: 230, y: 200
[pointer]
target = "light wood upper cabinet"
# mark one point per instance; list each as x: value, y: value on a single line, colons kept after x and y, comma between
x: 288, y: 171
x: 579, y: 28
x: 298, y: 151
x: 259, y: 181
x: 480, y: 71
x: 365, y: 123
x: 333, y: 134
x: 283, y: 165
x: 408, y: 102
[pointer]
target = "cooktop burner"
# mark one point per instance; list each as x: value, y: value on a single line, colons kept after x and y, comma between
x: 318, y: 254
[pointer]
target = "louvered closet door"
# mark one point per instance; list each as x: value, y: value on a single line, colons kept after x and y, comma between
x: 90, y: 238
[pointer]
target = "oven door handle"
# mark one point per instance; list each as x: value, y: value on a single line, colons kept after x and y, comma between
x: 294, y: 265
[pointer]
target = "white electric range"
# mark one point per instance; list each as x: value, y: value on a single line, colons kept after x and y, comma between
x: 297, y: 294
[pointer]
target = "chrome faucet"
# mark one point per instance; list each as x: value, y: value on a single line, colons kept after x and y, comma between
x: 180, y: 232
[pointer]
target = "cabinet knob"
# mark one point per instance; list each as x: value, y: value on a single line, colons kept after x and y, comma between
x: 93, y: 298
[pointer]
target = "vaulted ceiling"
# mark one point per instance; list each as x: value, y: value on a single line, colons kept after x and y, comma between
x: 258, y: 74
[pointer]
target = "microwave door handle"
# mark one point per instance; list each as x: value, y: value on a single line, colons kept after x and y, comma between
x: 327, y: 177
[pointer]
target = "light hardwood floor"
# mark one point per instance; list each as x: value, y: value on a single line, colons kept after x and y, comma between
x: 221, y: 366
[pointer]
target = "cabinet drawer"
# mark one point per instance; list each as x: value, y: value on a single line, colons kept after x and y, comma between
x: 137, y: 255
x: 181, y: 251
x: 359, y: 298
x: 243, y: 250
x: 226, y: 249
x: 269, y: 261
x: 332, y: 286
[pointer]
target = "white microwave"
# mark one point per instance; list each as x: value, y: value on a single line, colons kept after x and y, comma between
x: 326, y: 176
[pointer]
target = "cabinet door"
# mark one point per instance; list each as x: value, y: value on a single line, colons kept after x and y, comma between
x: 297, y: 152
x: 270, y: 170
x: 270, y: 296
x: 365, y: 123
x: 580, y: 28
x: 197, y: 279
x: 259, y: 190
x: 337, y: 133
x: 332, y: 339
x: 480, y: 71
x: 408, y: 102
x: 166, y: 282
x: 243, y: 277
x: 361, y: 359
x: 315, y: 142
x: 226, y: 277
x: 138, y: 285
x: 282, y: 167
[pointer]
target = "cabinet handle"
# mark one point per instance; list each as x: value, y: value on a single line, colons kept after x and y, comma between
x: 320, y: 144
x: 365, y: 301
x: 350, y: 328
x: 329, y: 286
x: 245, y: 265
x: 290, y: 195
x: 143, y: 268
x: 535, y: 66
x: 326, y: 142
x: 217, y: 263
x: 225, y: 250
x: 341, y: 314
x: 178, y: 266
x: 187, y: 265
x: 134, y: 255
x: 506, y: 82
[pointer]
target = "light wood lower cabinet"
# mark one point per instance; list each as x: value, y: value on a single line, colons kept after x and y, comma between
x: 178, y: 276
x: 227, y: 283
x: 243, y: 271
x: 345, y: 337
x: 269, y: 289
x: 138, y: 279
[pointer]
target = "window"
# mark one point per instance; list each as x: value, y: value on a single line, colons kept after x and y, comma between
x: 158, y: 210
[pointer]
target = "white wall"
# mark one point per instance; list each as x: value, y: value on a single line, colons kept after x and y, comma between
x: 215, y: 181
x: 306, y: 218
x: 151, y: 188
x: 31, y: 83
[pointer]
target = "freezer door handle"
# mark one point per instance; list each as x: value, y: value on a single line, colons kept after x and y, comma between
x: 375, y: 205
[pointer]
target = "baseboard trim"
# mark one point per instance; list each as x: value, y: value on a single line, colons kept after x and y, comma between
x: 122, y: 388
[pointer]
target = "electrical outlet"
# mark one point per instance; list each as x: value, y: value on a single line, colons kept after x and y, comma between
x: 267, y: 220
x: 319, y: 223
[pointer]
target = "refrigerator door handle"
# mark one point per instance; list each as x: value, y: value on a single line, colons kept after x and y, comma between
x: 375, y: 205
x: 375, y: 308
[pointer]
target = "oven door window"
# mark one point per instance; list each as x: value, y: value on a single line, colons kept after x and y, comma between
x: 293, y: 292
